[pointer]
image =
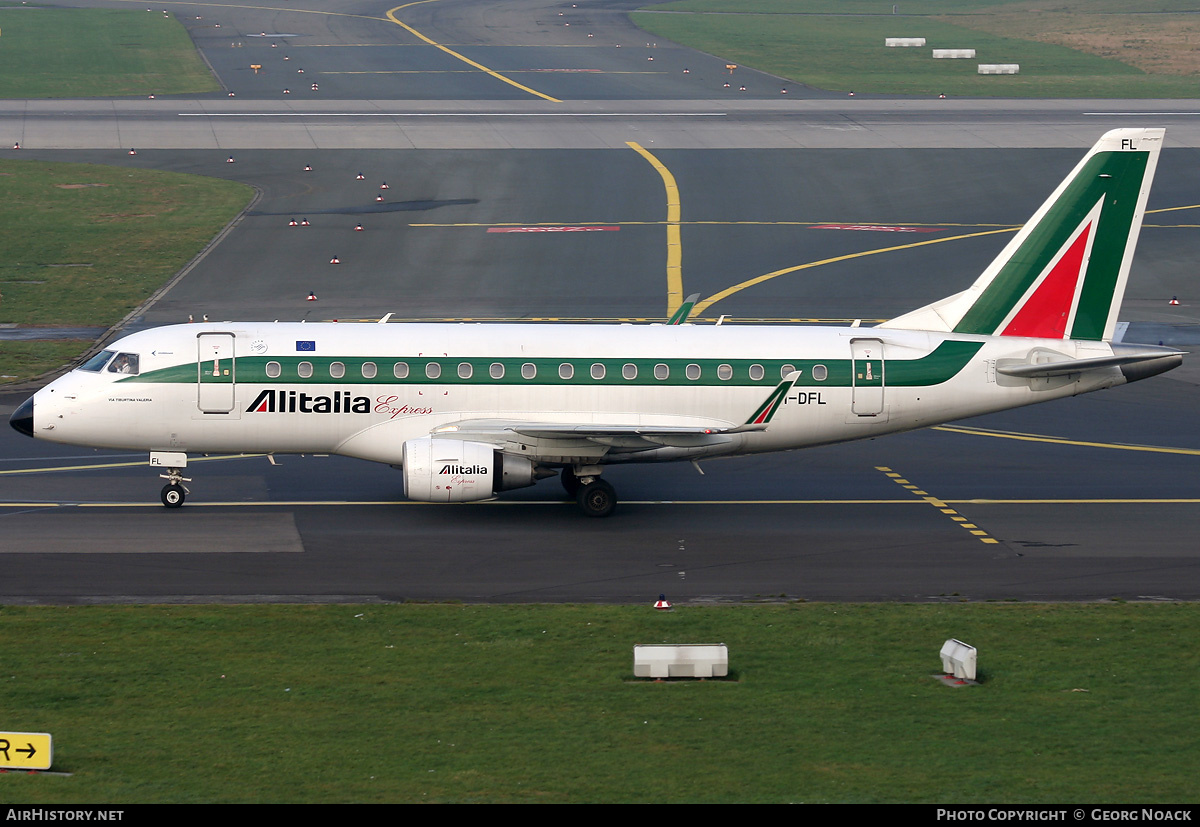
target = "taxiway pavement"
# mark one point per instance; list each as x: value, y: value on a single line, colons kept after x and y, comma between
x: 1086, y: 498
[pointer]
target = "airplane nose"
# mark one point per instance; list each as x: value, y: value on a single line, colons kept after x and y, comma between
x: 22, y: 417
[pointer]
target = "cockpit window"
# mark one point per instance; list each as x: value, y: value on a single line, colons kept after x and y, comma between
x: 97, y: 362
x: 125, y: 363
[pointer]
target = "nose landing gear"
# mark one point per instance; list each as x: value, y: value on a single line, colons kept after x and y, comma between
x: 174, y: 492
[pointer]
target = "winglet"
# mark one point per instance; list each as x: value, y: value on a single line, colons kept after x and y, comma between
x: 685, y: 310
x: 762, y: 415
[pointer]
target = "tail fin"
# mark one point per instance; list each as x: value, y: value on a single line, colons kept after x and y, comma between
x: 1063, y: 275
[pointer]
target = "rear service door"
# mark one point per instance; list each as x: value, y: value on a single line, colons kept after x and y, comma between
x: 867, y: 376
x: 217, y: 373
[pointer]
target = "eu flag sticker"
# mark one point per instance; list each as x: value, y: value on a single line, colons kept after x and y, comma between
x: 309, y: 347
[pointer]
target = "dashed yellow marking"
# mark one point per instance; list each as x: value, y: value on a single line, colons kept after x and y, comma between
x: 391, y: 15
x: 937, y: 503
x: 674, y: 243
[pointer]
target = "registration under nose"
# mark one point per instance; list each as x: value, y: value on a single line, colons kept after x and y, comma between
x: 22, y: 417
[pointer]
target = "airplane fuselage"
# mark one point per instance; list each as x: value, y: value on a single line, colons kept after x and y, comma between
x: 362, y: 390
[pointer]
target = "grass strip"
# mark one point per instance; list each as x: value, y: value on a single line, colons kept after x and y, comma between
x: 467, y: 703
x: 85, y: 244
x: 845, y: 52
x: 82, y: 53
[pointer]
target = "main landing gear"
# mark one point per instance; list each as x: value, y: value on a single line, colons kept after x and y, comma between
x: 596, y: 498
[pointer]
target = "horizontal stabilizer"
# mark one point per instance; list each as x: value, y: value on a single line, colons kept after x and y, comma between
x: 1122, y: 356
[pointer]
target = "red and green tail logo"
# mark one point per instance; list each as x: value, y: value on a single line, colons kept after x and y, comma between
x: 1063, y: 275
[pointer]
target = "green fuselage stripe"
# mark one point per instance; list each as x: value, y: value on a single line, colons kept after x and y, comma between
x: 939, y: 366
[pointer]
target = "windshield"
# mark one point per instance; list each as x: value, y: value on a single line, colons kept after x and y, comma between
x: 97, y: 362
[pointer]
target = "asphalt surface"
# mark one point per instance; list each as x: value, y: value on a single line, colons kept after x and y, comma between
x: 1087, y: 498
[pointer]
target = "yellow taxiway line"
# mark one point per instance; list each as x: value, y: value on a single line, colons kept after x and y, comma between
x: 674, y: 242
x: 1115, y: 446
x: 916, y: 500
x: 101, y: 465
x: 391, y: 15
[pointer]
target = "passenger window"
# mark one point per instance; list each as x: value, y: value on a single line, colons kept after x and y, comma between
x: 629, y: 371
x: 785, y: 370
x: 757, y: 372
x: 496, y: 371
x: 125, y: 363
x: 400, y: 370
x: 724, y: 372
x: 368, y: 370
x: 304, y: 369
x: 465, y: 370
x: 97, y: 362
x: 692, y: 372
x: 337, y: 369
x: 566, y: 370
x: 528, y: 370
x: 820, y: 373
x: 597, y: 371
x: 433, y: 370
x: 274, y: 369
x: 661, y: 372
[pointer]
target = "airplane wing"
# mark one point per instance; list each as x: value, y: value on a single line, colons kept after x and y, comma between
x: 560, y: 439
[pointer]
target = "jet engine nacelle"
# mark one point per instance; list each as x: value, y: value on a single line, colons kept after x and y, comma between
x: 456, y: 471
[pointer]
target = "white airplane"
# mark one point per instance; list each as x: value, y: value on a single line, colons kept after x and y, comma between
x: 470, y: 410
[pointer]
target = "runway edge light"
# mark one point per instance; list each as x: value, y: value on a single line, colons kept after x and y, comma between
x: 958, y: 660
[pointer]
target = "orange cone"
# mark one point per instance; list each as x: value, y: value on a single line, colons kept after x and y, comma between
x: 292, y: 223
x: 312, y: 297
x: 335, y: 260
x: 1174, y: 300
x: 303, y: 222
x: 358, y: 228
